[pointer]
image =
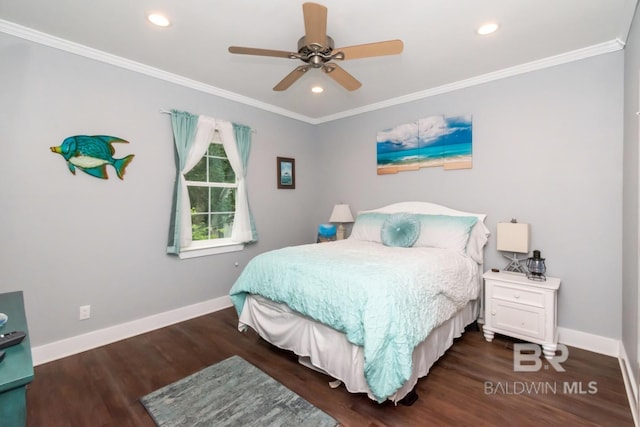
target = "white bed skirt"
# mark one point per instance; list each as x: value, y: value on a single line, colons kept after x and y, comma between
x: 329, y: 351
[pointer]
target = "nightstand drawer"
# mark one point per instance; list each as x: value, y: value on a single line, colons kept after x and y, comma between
x: 520, y: 319
x: 517, y: 295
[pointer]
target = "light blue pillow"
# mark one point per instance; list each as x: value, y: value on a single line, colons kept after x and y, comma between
x: 445, y: 231
x: 368, y: 226
x: 400, y: 230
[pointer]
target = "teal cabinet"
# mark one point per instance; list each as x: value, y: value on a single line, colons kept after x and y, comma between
x: 16, y: 370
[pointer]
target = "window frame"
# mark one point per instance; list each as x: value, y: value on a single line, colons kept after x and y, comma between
x: 206, y: 247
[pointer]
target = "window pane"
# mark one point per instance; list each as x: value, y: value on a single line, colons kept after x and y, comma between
x: 199, y: 197
x: 217, y: 150
x: 199, y: 172
x: 199, y: 226
x: 223, y: 200
x: 220, y: 171
x: 221, y: 225
x: 212, y: 212
x: 213, y: 199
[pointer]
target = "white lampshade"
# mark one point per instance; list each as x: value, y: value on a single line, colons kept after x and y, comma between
x: 513, y: 237
x: 341, y: 213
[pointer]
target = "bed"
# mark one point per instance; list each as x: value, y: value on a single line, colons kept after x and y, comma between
x: 376, y: 310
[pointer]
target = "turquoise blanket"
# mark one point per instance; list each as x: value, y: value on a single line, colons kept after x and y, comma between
x: 384, y: 299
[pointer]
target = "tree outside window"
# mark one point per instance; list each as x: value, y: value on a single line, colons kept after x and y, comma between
x: 212, y: 187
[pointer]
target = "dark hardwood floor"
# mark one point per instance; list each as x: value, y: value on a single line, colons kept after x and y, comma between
x: 472, y: 384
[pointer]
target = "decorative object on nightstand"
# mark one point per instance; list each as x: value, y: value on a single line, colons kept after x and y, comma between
x: 513, y: 237
x: 341, y: 214
x: 326, y: 233
x: 522, y: 308
x: 536, y: 267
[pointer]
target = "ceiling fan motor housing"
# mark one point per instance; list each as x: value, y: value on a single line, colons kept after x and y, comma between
x: 314, y: 54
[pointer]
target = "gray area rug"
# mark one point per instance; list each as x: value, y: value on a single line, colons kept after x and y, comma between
x: 231, y: 393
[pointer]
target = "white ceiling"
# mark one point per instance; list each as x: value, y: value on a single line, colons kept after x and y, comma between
x: 441, y: 49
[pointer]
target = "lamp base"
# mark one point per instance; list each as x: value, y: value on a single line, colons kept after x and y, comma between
x: 514, y: 265
x: 340, y: 232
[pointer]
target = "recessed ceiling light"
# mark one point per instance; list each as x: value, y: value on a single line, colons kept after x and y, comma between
x: 158, y: 19
x: 487, y: 29
x: 317, y: 89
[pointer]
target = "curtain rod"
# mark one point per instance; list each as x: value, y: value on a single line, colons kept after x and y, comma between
x: 169, y: 112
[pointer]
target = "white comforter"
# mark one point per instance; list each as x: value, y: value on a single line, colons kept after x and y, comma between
x: 384, y: 299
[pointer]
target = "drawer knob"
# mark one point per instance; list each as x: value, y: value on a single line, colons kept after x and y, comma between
x: 516, y: 296
x: 493, y: 313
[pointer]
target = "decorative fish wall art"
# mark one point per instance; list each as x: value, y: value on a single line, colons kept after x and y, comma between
x: 92, y: 154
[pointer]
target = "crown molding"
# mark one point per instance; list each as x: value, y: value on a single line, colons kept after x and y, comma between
x: 630, y: 7
x: 82, y: 50
x: 98, y: 55
x: 551, y: 61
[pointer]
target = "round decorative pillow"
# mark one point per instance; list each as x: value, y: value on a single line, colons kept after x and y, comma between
x: 400, y: 230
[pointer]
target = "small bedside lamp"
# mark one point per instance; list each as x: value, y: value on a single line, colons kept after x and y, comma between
x: 513, y: 237
x: 341, y: 214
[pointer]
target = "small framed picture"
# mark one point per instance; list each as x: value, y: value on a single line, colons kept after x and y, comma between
x: 286, y: 173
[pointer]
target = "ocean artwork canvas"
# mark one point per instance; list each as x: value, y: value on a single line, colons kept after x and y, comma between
x: 435, y: 141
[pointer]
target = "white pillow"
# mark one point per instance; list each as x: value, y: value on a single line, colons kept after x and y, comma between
x: 445, y: 231
x: 478, y: 237
x: 368, y: 226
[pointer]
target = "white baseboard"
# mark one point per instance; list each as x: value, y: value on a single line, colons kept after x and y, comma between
x: 630, y: 382
x: 590, y: 342
x: 67, y: 347
x: 609, y: 347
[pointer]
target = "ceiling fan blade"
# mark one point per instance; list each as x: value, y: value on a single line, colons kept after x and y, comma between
x: 291, y: 78
x: 315, y: 23
x: 260, y: 52
x: 389, y: 47
x: 338, y: 74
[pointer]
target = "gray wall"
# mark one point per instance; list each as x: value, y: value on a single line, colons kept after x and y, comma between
x: 630, y: 199
x: 73, y: 240
x: 547, y: 150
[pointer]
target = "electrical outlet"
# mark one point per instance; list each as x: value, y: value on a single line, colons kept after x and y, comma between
x: 85, y: 312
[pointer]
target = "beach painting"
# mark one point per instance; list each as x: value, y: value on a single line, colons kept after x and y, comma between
x: 435, y: 141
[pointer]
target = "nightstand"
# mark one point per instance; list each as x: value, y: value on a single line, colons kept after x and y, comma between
x: 522, y: 308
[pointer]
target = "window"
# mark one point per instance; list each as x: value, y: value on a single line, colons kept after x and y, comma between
x: 212, y: 187
x: 210, y: 213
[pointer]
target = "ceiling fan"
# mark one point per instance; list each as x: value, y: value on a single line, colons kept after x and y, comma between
x: 316, y: 50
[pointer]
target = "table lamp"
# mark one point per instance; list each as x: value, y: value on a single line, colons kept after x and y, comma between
x: 513, y: 237
x: 341, y: 214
